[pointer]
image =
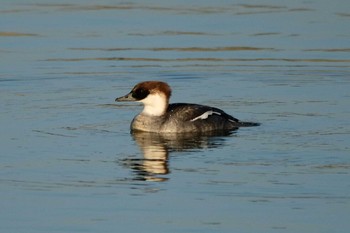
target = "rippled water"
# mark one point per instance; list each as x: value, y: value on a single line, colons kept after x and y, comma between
x: 69, y: 163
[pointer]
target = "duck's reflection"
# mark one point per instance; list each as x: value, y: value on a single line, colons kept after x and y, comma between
x: 154, y: 166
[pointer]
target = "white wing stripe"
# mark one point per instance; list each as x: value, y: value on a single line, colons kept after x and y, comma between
x: 205, y: 115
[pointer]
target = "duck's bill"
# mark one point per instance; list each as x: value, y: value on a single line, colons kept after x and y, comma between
x: 126, y: 98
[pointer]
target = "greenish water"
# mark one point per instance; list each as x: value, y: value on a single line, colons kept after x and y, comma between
x: 69, y: 163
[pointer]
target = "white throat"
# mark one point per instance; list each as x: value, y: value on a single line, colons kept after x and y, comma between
x: 155, y: 104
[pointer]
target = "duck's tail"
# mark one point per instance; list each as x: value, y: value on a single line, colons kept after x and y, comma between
x: 248, y: 124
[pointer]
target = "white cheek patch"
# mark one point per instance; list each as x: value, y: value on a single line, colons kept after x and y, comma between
x: 155, y: 104
x: 205, y: 115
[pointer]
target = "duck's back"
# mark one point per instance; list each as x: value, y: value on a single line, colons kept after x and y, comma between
x: 182, y: 117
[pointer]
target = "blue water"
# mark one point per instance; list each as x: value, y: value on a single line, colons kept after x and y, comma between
x: 69, y: 163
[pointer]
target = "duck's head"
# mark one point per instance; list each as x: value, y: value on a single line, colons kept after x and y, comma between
x: 154, y: 95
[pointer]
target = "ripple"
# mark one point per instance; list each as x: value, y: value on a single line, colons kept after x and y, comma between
x: 182, y: 49
x: 212, y: 59
x: 328, y: 50
x: 16, y: 34
x: 237, y: 9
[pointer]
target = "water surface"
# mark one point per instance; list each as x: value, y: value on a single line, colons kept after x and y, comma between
x: 69, y: 163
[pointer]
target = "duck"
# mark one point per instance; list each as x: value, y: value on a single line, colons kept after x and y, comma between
x: 158, y: 116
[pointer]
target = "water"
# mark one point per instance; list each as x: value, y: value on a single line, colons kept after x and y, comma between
x: 69, y: 163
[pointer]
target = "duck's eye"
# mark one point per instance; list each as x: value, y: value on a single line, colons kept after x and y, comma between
x: 140, y: 93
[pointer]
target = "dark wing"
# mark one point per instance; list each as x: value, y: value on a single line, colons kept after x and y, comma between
x: 201, y: 118
x: 190, y: 112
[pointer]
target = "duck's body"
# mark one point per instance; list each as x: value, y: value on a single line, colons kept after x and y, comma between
x: 161, y: 117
